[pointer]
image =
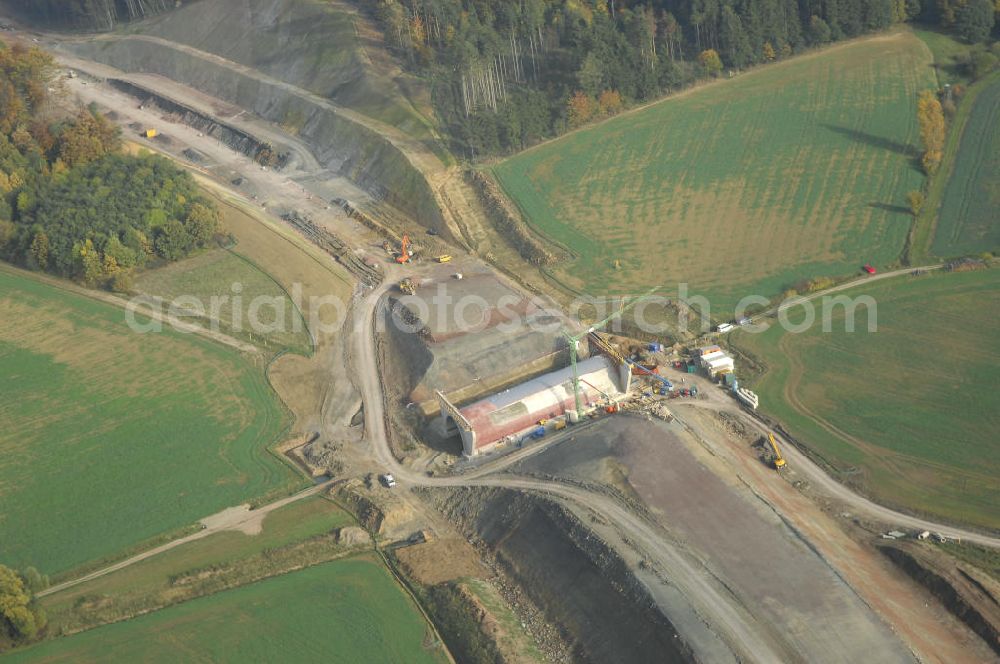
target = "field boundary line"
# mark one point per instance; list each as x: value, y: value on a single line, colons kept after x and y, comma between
x: 396, y: 574
x: 926, y: 224
x: 143, y: 309
x: 295, y: 308
x: 204, y: 532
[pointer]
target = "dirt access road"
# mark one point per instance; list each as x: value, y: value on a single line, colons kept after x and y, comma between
x: 718, y: 401
x: 243, y: 518
x: 854, y: 283
x: 708, y: 597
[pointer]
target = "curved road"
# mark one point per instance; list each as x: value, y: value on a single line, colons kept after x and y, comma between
x: 737, y: 627
x: 804, y: 465
x: 862, y: 281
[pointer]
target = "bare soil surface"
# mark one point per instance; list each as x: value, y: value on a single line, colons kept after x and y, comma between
x: 472, y: 335
x: 575, y: 579
x: 776, y: 575
x: 441, y: 560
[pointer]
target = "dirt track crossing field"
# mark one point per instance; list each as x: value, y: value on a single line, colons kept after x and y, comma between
x: 345, y: 610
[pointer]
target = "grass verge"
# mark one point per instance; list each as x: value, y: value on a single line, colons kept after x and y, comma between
x: 350, y: 610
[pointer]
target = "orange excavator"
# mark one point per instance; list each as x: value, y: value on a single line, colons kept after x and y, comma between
x: 404, y: 251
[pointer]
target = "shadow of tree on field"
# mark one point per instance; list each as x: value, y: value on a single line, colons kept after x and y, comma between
x: 889, y: 207
x: 879, y: 142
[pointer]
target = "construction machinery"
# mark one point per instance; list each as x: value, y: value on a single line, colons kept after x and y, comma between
x: 405, y: 253
x: 444, y: 258
x: 779, y: 461
x: 604, y: 346
x: 574, y: 344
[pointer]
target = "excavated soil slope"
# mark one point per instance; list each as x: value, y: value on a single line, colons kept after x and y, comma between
x: 476, y: 335
x: 777, y: 575
x: 298, y: 64
x: 579, y: 583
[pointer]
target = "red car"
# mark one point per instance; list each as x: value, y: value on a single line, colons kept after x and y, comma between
x: 869, y: 269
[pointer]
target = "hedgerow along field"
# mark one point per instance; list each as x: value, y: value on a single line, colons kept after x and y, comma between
x: 796, y: 170
x: 908, y: 413
x: 343, y: 611
x: 201, y: 567
x: 111, y: 437
x: 967, y: 220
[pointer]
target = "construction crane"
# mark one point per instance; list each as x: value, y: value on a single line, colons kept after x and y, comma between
x: 779, y: 461
x: 574, y: 344
x: 605, y: 347
x: 404, y: 251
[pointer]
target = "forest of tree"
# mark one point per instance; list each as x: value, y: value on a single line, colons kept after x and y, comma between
x: 508, y: 74
x: 71, y: 203
x: 88, y: 14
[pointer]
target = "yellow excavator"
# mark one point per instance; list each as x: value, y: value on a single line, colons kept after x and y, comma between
x: 779, y: 461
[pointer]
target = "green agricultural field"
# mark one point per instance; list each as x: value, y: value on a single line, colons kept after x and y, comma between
x: 248, y: 303
x: 293, y: 536
x: 343, y: 611
x: 796, y: 170
x: 111, y: 437
x: 909, y: 413
x: 969, y: 216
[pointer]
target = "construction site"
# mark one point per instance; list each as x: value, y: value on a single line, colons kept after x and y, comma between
x: 670, y: 433
x: 622, y: 499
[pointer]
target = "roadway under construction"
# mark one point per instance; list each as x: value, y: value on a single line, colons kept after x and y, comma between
x: 738, y: 562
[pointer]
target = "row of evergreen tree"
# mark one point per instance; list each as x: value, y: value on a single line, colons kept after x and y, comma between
x: 509, y: 73
x: 89, y: 14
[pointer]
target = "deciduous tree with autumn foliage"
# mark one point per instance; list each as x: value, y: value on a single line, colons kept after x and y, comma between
x: 930, y: 117
x: 580, y: 108
x: 70, y: 202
